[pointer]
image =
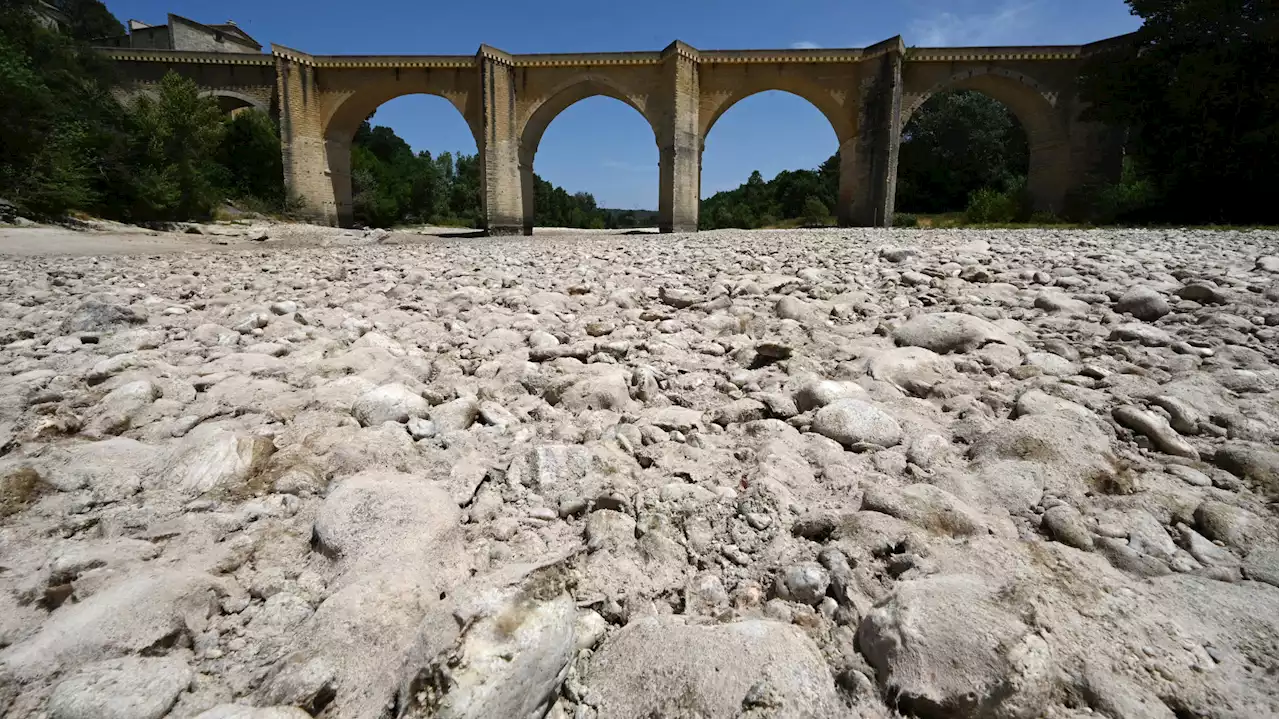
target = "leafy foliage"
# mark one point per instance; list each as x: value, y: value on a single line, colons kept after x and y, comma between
x: 988, y: 206
x: 61, y: 132
x: 90, y: 19
x: 177, y: 134
x: 955, y: 144
x: 815, y: 213
x: 1195, y: 87
x: 786, y: 197
x: 67, y: 144
x: 1131, y: 200
x: 391, y: 185
x: 249, y: 160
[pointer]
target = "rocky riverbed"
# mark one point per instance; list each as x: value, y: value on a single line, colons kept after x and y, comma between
x: 847, y: 473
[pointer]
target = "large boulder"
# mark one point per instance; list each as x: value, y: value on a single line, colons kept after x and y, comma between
x: 853, y: 421
x: 398, y: 549
x: 146, y: 610
x: 914, y: 370
x: 111, y: 469
x: 1070, y: 443
x: 1252, y: 461
x: 945, y: 332
x: 128, y: 688
x: 950, y: 646
x: 94, y: 316
x: 608, y: 389
x: 663, y: 666
x: 212, y: 459
x: 376, y: 519
x: 820, y: 393
x: 1143, y: 303
x: 508, y: 661
x: 389, y: 403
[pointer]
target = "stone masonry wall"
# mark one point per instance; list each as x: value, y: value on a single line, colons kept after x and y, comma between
x: 186, y: 36
x: 508, y: 101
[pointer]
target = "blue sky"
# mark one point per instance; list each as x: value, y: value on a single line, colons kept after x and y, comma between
x: 600, y: 145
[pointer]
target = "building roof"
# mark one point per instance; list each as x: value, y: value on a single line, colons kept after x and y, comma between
x: 234, y: 29
x: 228, y: 29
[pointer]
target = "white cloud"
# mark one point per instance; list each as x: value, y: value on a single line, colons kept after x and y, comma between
x: 1001, y: 26
x: 805, y: 45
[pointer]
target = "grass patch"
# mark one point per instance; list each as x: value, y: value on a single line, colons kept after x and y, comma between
x: 796, y: 223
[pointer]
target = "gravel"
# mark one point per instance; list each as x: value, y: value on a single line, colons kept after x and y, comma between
x: 281, y: 471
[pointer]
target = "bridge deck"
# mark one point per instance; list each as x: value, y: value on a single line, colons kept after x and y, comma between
x: 806, y: 56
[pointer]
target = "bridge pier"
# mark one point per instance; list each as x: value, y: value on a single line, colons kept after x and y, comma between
x: 338, y: 154
x: 302, y: 138
x: 679, y: 142
x: 869, y: 162
x: 502, y: 179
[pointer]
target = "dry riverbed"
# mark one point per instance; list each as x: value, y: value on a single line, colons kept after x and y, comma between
x: 280, y: 471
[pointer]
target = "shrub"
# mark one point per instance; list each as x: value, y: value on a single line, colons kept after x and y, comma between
x: 988, y: 206
x: 1130, y: 201
x: 815, y: 213
x: 905, y: 219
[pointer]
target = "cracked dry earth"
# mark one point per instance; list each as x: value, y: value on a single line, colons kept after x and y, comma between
x: 846, y: 473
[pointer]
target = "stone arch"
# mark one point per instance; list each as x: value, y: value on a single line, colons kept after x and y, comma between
x: 231, y: 101
x: 1036, y: 108
x: 344, y: 115
x: 565, y: 95
x: 841, y: 119
x: 541, y: 114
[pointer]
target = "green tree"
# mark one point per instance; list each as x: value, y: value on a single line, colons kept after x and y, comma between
x: 815, y: 213
x: 63, y: 137
x: 249, y: 158
x: 955, y: 144
x: 179, y: 131
x: 759, y: 202
x: 1195, y: 88
x: 90, y: 19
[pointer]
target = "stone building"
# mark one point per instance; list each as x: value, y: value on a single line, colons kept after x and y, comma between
x: 181, y: 33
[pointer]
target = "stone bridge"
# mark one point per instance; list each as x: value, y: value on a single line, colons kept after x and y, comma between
x: 867, y: 94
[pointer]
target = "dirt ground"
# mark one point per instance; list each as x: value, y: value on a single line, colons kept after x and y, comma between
x: 109, y: 238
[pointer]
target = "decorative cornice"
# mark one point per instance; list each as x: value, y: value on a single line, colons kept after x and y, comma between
x: 587, y: 60
x: 678, y: 49
x: 179, y: 56
x: 772, y: 57
x: 396, y: 61
x: 990, y: 54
